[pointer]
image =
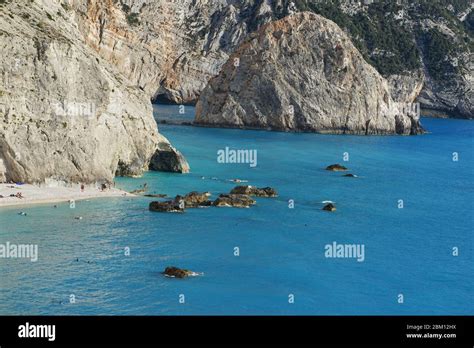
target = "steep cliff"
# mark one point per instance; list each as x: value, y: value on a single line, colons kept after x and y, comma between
x: 172, y: 48
x: 302, y: 73
x: 66, y: 115
x: 168, y: 48
x: 422, y: 46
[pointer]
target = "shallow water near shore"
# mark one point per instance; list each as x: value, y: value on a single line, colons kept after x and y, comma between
x: 282, y: 251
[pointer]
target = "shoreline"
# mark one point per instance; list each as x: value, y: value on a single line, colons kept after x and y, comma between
x: 33, y: 195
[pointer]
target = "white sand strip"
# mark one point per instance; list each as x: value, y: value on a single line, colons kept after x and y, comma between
x: 40, y: 195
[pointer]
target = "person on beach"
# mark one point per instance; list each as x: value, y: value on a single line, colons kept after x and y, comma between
x: 82, y: 187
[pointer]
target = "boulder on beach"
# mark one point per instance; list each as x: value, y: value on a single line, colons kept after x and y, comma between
x: 234, y: 200
x: 336, y: 168
x: 329, y: 207
x: 176, y: 272
x: 254, y: 191
x: 173, y: 206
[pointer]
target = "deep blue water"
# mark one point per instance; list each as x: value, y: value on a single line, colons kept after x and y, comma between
x: 407, y: 251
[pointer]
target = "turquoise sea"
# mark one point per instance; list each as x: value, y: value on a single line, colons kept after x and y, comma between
x: 408, y: 251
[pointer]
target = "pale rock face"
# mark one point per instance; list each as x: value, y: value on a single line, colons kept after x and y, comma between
x: 174, y: 47
x: 302, y: 73
x: 407, y: 87
x: 66, y: 115
x: 450, y: 96
x: 158, y: 53
x: 456, y: 96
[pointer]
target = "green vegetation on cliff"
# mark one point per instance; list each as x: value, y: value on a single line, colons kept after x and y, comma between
x: 393, y: 36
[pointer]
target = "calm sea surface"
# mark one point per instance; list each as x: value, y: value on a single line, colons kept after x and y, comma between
x: 407, y: 251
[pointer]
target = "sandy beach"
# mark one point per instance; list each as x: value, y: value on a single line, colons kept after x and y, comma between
x: 40, y: 195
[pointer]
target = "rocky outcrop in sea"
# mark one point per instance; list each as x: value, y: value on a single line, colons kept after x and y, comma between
x: 239, y: 197
x: 302, y: 73
x: 254, y: 191
x: 175, y: 272
x: 169, y: 159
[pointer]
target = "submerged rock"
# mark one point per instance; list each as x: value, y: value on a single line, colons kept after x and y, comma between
x: 233, y: 200
x: 254, y: 191
x: 329, y: 207
x: 350, y: 175
x: 336, y: 168
x: 168, y: 159
x: 176, y: 272
x: 302, y: 73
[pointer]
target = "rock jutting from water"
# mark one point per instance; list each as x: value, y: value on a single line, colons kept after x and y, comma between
x: 329, y: 207
x: 179, y: 203
x: 168, y: 159
x: 234, y: 200
x: 175, y: 272
x: 336, y: 168
x: 201, y: 199
x: 302, y: 73
x: 173, y: 206
x: 196, y: 199
x: 254, y: 191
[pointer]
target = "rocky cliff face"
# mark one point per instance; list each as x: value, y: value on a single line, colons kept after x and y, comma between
x: 419, y: 46
x: 65, y: 113
x: 406, y: 87
x: 171, y: 49
x: 168, y: 48
x: 302, y: 73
